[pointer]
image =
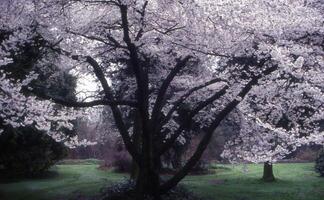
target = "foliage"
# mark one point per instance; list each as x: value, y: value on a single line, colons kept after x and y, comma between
x: 122, y: 190
x: 202, y: 167
x: 25, y: 73
x: 28, y: 152
x: 319, y: 163
x: 306, y: 153
x: 260, y: 142
x: 122, y: 163
x: 125, y: 191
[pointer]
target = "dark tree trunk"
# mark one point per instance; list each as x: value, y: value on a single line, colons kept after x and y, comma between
x: 137, y: 143
x: 135, y: 171
x: 148, y: 181
x: 268, y: 172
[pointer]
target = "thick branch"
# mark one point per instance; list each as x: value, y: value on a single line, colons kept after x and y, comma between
x: 115, y: 110
x: 178, y: 102
x: 141, y: 75
x: 200, y: 149
x: 78, y: 104
x: 210, y: 130
x: 90, y: 37
x: 109, y: 95
x: 140, y: 32
x: 168, y: 144
x: 208, y: 101
x: 141, y: 78
x: 164, y: 87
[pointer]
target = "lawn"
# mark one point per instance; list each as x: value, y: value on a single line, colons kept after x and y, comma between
x: 295, y: 182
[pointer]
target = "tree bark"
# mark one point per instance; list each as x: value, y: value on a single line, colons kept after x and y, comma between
x: 148, y: 180
x: 137, y: 143
x: 268, y: 172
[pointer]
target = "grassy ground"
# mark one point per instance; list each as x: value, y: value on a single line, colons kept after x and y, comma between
x: 295, y: 182
x: 68, y: 180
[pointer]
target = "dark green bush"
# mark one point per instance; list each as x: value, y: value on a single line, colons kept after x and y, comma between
x: 27, y: 152
x: 319, y: 163
x: 122, y: 162
x: 126, y: 191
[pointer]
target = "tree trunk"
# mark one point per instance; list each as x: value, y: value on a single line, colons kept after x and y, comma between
x: 268, y: 172
x: 134, y: 171
x: 148, y: 181
x: 137, y: 143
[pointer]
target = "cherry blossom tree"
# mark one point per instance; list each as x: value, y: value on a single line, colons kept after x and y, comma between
x: 207, y: 55
x: 269, y: 132
x: 19, y: 39
x: 261, y: 143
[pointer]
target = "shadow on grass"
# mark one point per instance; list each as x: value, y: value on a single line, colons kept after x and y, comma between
x: 7, y: 177
x: 220, y: 167
x: 254, y: 181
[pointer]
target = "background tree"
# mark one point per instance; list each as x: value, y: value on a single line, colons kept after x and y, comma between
x: 292, y: 121
x: 27, y: 151
x: 319, y: 163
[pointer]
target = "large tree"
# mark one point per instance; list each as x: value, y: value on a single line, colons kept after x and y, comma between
x: 213, y: 52
x: 272, y: 127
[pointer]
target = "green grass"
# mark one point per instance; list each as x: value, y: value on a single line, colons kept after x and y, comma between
x: 70, y: 180
x: 294, y: 182
x: 89, y: 161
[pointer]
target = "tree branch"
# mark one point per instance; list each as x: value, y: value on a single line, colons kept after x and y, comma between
x: 86, y: 104
x: 115, y: 110
x: 168, y: 144
x: 141, y: 75
x: 81, y: 104
x: 178, y: 102
x: 90, y: 37
x: 140, y: 32
x: 203, y: 52
x: 99, y: 1
x: 109, y: 95
x: 210, y: 130
x: 164, y: 87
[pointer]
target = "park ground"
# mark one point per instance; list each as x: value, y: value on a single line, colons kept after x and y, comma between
x: 295, y: 181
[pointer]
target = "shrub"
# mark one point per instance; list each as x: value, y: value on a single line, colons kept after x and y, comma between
x: 122, y: 162
x: 126, y: 191
x: 202, y: 167
x: 306, y: 154
x: 28, y: 152
x: 319, y: 163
